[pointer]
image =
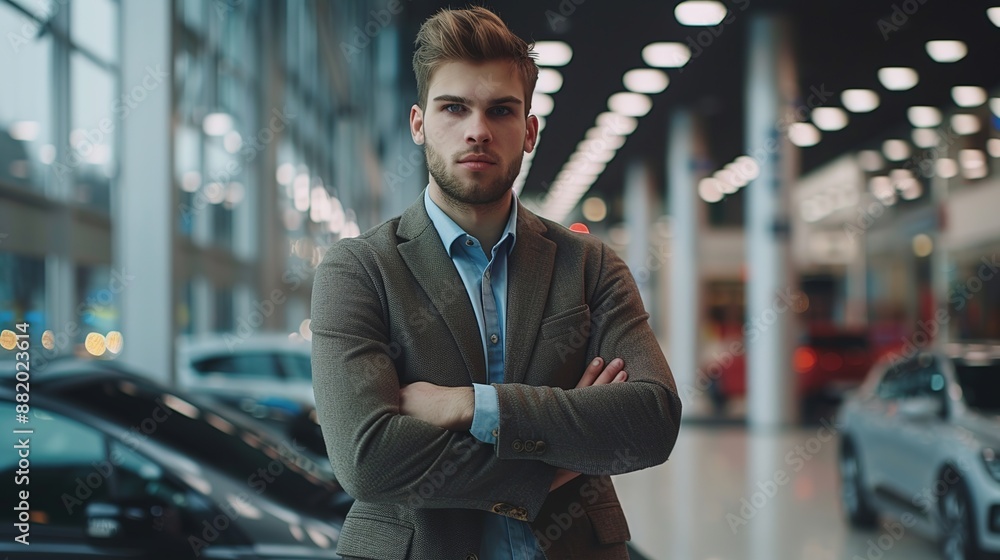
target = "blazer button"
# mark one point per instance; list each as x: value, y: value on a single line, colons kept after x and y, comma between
x: 520, y: 514
x: 501, y: 508
x: 529, y: 446
x: 518, y: 445
x: 471, y: 556
x: 539, y: 447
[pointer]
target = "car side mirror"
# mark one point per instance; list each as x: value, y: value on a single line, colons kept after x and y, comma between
x: 921, y: 408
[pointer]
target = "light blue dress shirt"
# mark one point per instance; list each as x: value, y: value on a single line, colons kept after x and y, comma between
x: 486, y: 283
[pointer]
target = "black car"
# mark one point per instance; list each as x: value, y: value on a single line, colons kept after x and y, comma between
x: 119, y: 466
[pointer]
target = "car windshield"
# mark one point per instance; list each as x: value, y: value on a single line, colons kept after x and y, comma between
x: 980, y: 385
x: 209, y: 436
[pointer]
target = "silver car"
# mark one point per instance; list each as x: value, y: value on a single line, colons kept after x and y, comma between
x: 921, y: 444
x: 268, y: 376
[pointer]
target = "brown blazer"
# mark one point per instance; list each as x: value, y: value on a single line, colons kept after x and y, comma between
x: 389, y: 308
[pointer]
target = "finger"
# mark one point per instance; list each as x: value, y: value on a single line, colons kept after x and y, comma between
x: 591, y: 373
x: 621, y: 377
x: 608, y: 375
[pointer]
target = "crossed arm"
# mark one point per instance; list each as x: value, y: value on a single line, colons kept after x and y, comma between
x: 389, y: 444
x: 452, y: 408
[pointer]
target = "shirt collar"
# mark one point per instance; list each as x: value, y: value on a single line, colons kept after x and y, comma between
x: 449, y: 231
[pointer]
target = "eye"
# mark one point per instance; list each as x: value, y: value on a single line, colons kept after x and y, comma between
x: 503, y: 111
x: 453, y: 108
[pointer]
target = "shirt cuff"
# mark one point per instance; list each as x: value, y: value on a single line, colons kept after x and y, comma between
x: 486, y: 415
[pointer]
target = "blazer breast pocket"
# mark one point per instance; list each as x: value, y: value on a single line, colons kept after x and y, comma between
x: 574, y: 321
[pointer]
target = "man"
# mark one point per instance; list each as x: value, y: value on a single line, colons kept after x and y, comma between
x: 459, y: 349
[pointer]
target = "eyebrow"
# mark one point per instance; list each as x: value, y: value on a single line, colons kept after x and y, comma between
x: 466, y: 101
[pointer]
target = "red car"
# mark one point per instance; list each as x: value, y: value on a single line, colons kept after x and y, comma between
x: 827, y: 362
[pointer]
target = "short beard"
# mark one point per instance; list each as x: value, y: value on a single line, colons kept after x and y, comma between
x: 475, y: 194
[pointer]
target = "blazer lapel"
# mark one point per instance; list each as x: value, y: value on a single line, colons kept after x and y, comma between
x: 529, y: 276
x: 425, y: 255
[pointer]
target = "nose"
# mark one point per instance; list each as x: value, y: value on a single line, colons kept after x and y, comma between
x: 478, y: 131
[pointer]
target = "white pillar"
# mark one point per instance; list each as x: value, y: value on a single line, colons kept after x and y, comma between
x: 770, y: 95
x: 143, y: 221
x: 684, y: 213
x: 638, y: 222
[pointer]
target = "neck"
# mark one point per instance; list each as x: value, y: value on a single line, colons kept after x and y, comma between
x: 485, y: 221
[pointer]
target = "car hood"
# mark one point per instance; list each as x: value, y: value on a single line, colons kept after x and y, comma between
x: 986, y: 427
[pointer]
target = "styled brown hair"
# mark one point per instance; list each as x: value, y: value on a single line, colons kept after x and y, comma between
x: 473, y: 34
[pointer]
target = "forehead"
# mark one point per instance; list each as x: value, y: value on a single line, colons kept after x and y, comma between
x: 476, y: 80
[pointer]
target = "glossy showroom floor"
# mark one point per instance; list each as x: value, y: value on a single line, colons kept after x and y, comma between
x: 678, y: 511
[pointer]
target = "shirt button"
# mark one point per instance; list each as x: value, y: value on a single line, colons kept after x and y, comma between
x: 470, y: 242
x: 487, y: 274
x: 494, y: 338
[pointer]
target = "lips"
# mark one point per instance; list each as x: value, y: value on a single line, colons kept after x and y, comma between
x: 477, y: 158
x: 477, y: 162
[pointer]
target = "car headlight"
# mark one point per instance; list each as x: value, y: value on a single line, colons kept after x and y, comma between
x: 992, y: 460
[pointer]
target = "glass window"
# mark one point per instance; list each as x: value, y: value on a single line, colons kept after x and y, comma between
x: 296, y: 366
x: 27, y: 149
x: 94, y: 27
x: 43, y: 9
x: 22, y: 292
x: 66, y: 454
x: 93, y: 132
x: 259, y: 365
x: 980, y: 385
x: 96, y: 301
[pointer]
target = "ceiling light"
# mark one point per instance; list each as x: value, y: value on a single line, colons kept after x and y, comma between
x: 870, y: 160
x: 896, y: 150
x: 946, y: 168
x: 747, y: 167
x: 553, y: 53
x: 968, y: 96
x: 619, y: 124
x: 965, y: 124
x: 898, y: 78
x: 972, y: 159
x: 645, y: 80
x: 925, y: 137
x: 881, y: 187
x: 993, y: 147
x: 630, y: 104
x: 994, y: 15
x: 829, y: 118
x: 24, y: 131
x: 859, y: 100
x: 710, y: 189
x: 217, y: 124
x: 666, y: 55
x: 924, y: 117
x: 946, y: 51
x: 700, y: 12
x: 542, y: 104
x: 549, y: 80
x: 995, y: 106
x: 594, y: 209
x: 803, y: 135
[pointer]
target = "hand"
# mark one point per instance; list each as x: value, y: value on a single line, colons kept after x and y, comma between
x: 450, y: 408
x: 593, y: 375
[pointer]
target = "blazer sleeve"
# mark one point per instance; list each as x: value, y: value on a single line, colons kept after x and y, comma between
x: 378, y: 454
x: 607, y: 429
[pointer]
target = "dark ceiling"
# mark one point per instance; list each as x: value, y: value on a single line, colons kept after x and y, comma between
x: 838, y: 45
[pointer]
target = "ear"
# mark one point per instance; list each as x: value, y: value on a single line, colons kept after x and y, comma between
x: 531, y: 133
x: 417, y: 125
